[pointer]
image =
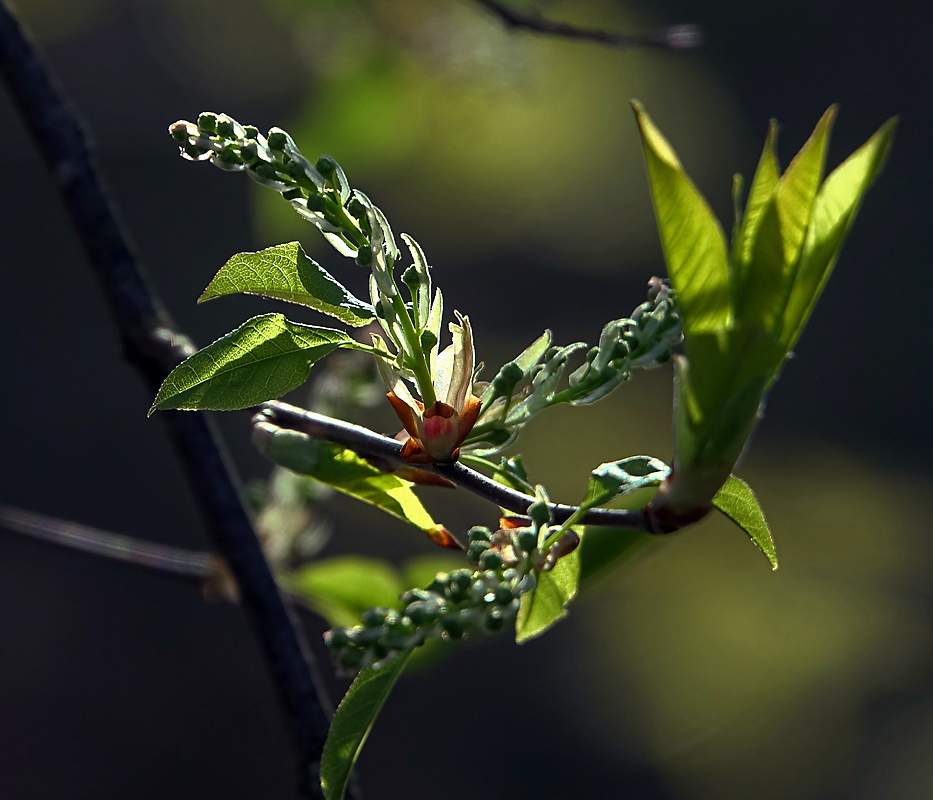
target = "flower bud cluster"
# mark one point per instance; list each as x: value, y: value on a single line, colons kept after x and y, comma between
x: 455, y: 605
x: 645, y: 340
x: 320, y: 192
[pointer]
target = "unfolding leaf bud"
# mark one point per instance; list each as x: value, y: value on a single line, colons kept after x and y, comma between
x: 490, y: 560
x: 207, y: 122
x: 373, y: 617
x: 316, y: 203
x: 551, y: 352
x: 277, y: 140
x: 428, y: 340
x: 326, y: 166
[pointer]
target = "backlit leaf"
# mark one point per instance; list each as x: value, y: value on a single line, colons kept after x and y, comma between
x: 692, y: 240
x: 545, y: 605
x: 261, y: 360
x: 738, y: 502
x: 285, y: 272
x: 352, y: 723
x: 347, y: 472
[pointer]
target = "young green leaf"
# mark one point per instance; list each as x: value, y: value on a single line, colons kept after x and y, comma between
x: 352, y: 723
x: 345, y: 471
x: 261, y: 360
x: 834, y: 211
x: 777, y: 244
x: 738, y: 502
x: 285, y: 272
x: 760, y: 191
x: 545, y: 605
x: 693, y: 241
x: 340, y: 589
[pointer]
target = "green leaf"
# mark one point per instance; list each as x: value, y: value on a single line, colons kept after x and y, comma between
x: 693, y: 241
x: 614, y: 478
x: 545, y: 605
x: 834, y: 211
x: 759, y: 193
x: 285, y: 272
x: 532, y: 354
x: 352, y: 723
x: 738, y: 502
x: 261, y: 360
x: 340, y: 589
x: 345, y: 471
x: 777, y: 244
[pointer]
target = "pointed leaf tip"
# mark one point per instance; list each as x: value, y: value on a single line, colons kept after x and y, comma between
x: 738, y: 502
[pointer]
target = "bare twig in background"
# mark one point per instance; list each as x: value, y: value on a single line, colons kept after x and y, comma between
x: 154, y: 347
x: 369, y: 443
x: 677, y: 37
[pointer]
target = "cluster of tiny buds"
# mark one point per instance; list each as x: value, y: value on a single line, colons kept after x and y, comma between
x: 318, y: 192
x: 458, y: 604
x: 656, y: 327
x: 455, y: 605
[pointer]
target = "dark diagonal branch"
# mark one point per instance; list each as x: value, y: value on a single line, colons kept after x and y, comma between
x: 152, y: 345
x: 372, y: 444
x: 676, y: 37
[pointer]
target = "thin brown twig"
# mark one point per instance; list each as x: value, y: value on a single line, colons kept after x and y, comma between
x: 369, y: 443
x: 152, y: 344
x: 676, y: 37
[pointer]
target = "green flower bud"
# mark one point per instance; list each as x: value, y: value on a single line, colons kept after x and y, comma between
x: 423, y: 611
x: 352, y: 657
x: 364, y: 257
x: 251, y: 132
x: 207, y: 122
x: 461, y: 579
x: 490, y: 560
x: 277, y: 140
x: 439, y: 584
x: 293, y: 194
x: 363, y: 637
x: 478, y: 534
x: 248, y: 152
x: 428, y: 340
x: 179, y: 131
x: 295, y: 170
x: 326, y: 166
x: 225, y: 128
x: 373, y: 617
x: 194, y: 152
x: 494, y: 621
x: 230, y: 156
x: 265, y: 170
x: 356, y: 208
x: 414, y: 595
x: 504, y: 594
x: 527, y: 541
x: 539, y: 513
x: 336, y: 638
x: 476, y: 550
x: 380, y: 310
x: 316, y: 203
x: 453, y: 626
x: 410, y: 277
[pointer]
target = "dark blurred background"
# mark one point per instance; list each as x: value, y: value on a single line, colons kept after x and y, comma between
x: 693, y: 673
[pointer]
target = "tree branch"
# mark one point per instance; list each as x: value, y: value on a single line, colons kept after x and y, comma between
x: 676, y: 37
x: 154, y: 347
x: 369, y: 443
